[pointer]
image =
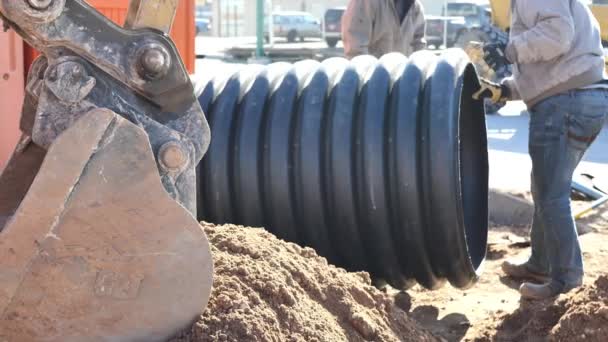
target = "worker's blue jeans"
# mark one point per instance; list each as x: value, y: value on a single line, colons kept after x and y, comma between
x: 562, y: 127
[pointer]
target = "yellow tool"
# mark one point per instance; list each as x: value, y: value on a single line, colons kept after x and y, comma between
x: 592, y: 206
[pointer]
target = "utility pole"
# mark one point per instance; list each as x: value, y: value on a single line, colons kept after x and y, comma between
x: 236, y: 21
x: 270, y: 24
x: 259, y: 51
x: 219, y: 18
x: 445, y: 24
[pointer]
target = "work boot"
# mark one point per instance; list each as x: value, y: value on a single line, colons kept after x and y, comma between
x: 538, y: 291
x: 522, y: 271
x: 544, y: 291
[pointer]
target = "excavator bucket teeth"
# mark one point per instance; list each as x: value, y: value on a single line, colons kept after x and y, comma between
x: 97, y: 250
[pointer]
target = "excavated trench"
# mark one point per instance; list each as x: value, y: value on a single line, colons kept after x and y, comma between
x: 379, y: 165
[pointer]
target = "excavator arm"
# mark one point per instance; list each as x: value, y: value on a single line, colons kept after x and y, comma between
x: 98, y: 239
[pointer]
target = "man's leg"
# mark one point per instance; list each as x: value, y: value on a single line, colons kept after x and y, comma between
x: 561, y: 130
x: 538, y: 261
x: 537, y: 266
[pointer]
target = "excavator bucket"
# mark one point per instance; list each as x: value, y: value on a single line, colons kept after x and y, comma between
x: 92, y: 247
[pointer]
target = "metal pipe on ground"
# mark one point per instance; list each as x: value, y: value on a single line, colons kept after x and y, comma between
x: 595, y: 204
x: 379, y: 165
x: 589, y: 191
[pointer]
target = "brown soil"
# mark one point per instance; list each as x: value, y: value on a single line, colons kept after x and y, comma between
x: 492, y: 309
x: 578, y: 316
x: 269, y: 290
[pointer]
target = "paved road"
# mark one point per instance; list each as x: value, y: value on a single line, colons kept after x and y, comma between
x: 508, y: 142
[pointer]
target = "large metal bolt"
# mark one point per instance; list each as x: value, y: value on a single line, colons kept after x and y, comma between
x: 173, y: 157
x: 69, y: 81
x: 154, y: 62
x: 40, y: 4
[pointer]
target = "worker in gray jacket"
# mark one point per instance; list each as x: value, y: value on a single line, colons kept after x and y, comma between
x: 556, y: 50
x: 377, y: 27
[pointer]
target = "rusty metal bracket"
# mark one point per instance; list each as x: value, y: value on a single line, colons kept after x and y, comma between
x: 71, y: 86
x: 88, y: 62
x: 145, y: 60
x: 103, y: 179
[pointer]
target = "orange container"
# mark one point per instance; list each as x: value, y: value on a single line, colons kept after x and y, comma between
x: 183, y: 31
x: 11, y: 92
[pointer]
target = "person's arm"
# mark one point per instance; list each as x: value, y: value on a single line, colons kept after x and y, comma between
x: 357, y: 25
x: 514, y: 94
x: 419, y: 41
x: 550, y: 37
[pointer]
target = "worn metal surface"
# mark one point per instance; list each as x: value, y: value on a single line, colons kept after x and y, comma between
x: 100, y: 242
x: 72, y: 86
x: 78, y: 27
x: 379, y: 165
x: 97, y: 249
x: 17, y: 177
x: 157, y: 14
x: 91, y: 63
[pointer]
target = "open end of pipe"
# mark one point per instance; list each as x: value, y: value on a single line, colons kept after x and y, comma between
x: 474, y: 168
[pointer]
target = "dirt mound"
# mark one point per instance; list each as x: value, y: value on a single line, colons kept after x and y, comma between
x: 269, y: 290
x: 586, y: 318
x: 579, y: 316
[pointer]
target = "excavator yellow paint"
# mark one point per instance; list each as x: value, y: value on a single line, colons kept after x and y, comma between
x: 601, y: 14
x: 501, y: 13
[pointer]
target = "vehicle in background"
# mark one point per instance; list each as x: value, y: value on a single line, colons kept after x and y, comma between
x: 203, y: 25
x: 203, y: 19
x: 204, y: 11
x: 293, y: 25
x: 332, y: 25
x: 436, y: 26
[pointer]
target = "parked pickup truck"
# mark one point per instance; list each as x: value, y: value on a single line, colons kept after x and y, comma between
x: 332, y: 25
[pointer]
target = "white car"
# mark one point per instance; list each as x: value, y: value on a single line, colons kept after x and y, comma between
x: 293, y: 25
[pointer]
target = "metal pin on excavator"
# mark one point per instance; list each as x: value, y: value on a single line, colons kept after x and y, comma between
x: 98, y: 240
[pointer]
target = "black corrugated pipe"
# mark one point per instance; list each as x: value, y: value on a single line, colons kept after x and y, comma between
x: 379, y: 165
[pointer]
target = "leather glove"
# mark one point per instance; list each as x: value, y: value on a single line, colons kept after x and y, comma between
x: 493, y: 91
x: 494, y: 54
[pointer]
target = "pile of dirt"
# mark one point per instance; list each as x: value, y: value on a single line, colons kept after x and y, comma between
x: 579, y: 316
x: 269, y: 290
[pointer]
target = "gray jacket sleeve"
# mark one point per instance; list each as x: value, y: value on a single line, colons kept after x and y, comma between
x: 551, y: 33
x: 419, y: 41
x: 357, y: 25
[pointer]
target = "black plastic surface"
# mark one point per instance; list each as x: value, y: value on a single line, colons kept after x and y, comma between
x: 379, y: 165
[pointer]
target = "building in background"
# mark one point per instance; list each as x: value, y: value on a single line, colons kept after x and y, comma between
x: 229, y: 17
